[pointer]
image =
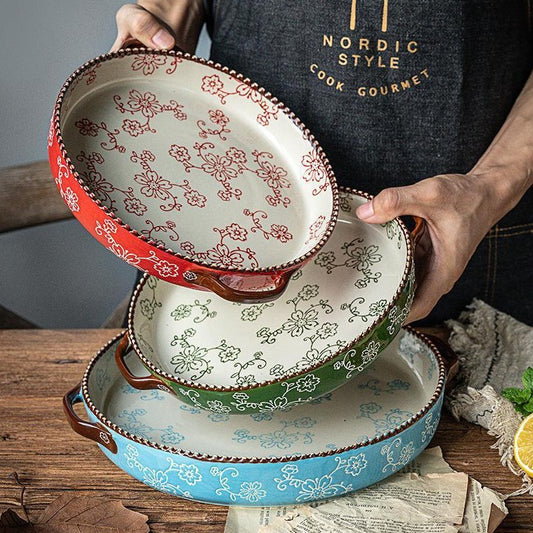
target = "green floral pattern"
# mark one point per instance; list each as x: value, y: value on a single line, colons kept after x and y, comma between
x: 295, y: 349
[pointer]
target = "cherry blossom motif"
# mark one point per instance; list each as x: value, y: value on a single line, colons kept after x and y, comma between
x: 274, y: 177
x: 216, y: 117
x: 86, y: 127
x: 103, y: 189
x: 219, y: 166
x: 146, y: 103
x: 315, y: 229
x: 165, y: 269
x: 71, y: 199
x: 226, y: 167
x: 221, y: 254
x: 90, y: 74
x: 315, y: 171
x: 156, y: 186
x: 148, y: 106
x: 91, y: 129
x: 179, y: 153
x: 279, y: 232
x: 108, y: 231
x: 62, y: 172
x: 109, y: 226
x: 247, y: 91
x: 134, y: 206
x: 194, y: 198
x: 153, y: 185
x: 94, y: 180
x: 133, y: 127
x: 148, y: 63
x: 236, y: 232
x: 237, y: 155
x: 214, y: 85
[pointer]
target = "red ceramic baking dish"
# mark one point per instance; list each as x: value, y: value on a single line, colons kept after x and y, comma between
x: 191, y: 172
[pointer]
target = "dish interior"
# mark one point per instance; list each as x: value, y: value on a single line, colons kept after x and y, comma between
x: 196, y: 160
x: 332, y: 300
x: 389, y: 393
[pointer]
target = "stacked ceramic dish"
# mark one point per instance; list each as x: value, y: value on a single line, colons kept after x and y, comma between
x: 264, y: 361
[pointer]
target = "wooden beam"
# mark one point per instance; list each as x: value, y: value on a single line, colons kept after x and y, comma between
x: 10, y: 320
x: 29, y: 196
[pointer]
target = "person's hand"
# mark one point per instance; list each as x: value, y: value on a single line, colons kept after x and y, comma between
x: 458, y: 209
x: 160, y: 23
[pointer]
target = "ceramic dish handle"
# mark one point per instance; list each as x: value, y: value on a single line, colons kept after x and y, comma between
x: 88, y: 430
x: 418, y: 230
x: 212, y: 281
x: 142, y: 383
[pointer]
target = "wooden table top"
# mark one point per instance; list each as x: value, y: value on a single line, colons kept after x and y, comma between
x: 37, y: 367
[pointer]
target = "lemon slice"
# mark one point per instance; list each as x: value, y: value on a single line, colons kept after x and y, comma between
x: 523, y: 445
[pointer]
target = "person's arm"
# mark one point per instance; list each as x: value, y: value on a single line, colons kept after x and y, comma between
x: 460, y: 209
x: 161, y: 23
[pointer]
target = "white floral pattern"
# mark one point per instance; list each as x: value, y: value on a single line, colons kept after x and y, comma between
x: 324, y: 486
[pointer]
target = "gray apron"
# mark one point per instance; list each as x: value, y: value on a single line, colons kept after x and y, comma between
x: 396, y: 91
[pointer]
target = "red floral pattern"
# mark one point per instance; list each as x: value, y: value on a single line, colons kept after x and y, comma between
x: 277, y: 231
x: 148, y: 106
x: 152, y: 190
x: 214, y: 85
x: 316, y: 229
x: 156, y: 186
x: 216, y: 117
x: 221, y: 254
x: 162, y: 267
x: 148, y: 63
x: 315, y: 171
x: 274, y: 177
x: 91, y: 129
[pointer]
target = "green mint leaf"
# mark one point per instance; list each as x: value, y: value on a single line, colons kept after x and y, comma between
x: 527, y: 407
x: 527, y: 378
x: 522, y: 410
x: 517, y: 396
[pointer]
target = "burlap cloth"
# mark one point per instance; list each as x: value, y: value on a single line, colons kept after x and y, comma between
x: 493, y: 350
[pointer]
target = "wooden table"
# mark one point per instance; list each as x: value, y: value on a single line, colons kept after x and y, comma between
x: 38, y: 366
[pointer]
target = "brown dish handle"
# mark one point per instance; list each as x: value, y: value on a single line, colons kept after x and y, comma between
x: 135, y: 43
x: 212, y: 281
x: 142, y: 383
x: 418, y: 230
x: 451, y: 362
x: 92, y: 431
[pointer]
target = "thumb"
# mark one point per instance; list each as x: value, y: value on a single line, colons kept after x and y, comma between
x: 388, y: 204
x: 137, y: 22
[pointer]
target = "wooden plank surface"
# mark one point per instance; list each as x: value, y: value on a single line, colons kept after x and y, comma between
x: 29, y: 196
x: 38, y: 366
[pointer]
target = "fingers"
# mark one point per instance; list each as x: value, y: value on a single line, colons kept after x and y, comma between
x: 436, y: 274
x: 135, y: 22
x: 388, y: 204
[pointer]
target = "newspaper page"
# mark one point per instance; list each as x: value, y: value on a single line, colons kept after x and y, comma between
x: 484, y: 508
x: 406, y: 503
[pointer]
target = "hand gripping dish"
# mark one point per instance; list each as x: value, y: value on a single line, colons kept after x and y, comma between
x: 338, y: 314
x: 190, y: 172
x: 356, y: 436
